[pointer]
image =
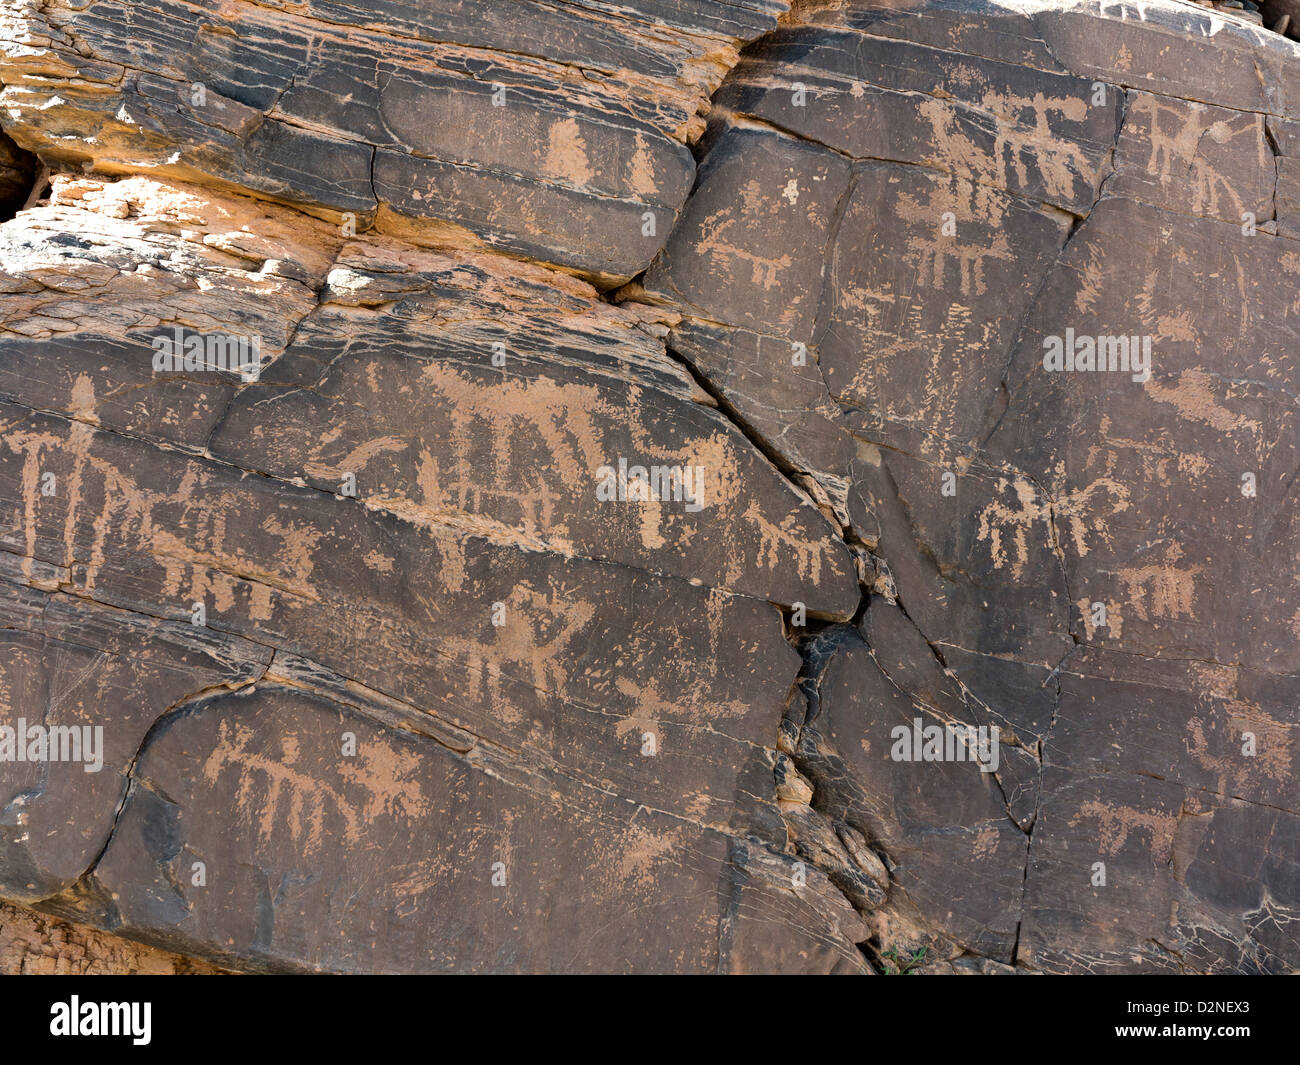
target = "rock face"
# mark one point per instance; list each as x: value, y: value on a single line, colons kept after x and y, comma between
x: 658, y: 534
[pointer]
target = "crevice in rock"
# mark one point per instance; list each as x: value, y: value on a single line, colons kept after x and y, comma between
x: 793, y: 475
x: 24, y: 179
x: 843, y: 853
x: 1270, y: 138
x: 728, y: 409
x: 1279, y: 16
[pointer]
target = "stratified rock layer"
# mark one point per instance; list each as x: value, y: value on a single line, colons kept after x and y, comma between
x: 388, y: 682
x: 34, y: 944
x: 981, y: 182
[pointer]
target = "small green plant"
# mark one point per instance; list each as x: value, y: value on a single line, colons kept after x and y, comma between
x: 903, y: 963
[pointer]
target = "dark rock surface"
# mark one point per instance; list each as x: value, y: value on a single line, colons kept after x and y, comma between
x: 388, y: 685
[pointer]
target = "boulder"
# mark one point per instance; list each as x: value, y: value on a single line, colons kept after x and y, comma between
x: 696, y: 487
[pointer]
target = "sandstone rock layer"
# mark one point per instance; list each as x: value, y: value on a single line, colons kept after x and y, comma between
x: 388, y: 681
